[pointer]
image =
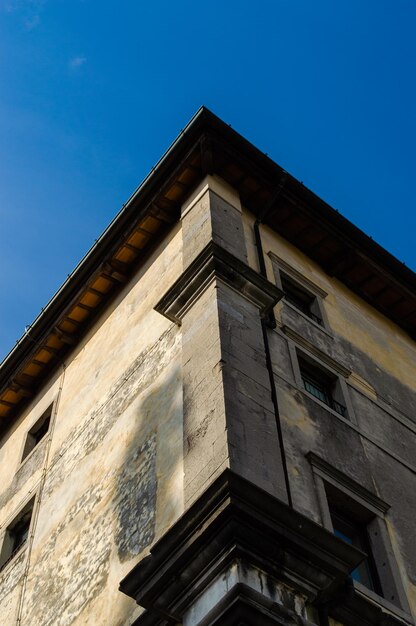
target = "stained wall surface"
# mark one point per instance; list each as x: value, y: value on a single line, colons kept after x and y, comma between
x: 374, y: 360
x: 108, y: 477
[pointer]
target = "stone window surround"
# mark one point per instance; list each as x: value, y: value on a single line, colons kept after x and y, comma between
x: 295, y: 340
x: 357, y: 383
x: 50, y: 408
x: 301, y: 347
x: 304, y: 284
x: 30, y: 502
x: 325, y: 474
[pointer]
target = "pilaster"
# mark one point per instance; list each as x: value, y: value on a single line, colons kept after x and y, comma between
x: 229, y: 421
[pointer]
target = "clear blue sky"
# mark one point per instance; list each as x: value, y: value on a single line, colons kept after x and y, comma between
x: 92, y: 93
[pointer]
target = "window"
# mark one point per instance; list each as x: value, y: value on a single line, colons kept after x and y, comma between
x: 354, y: 532
x: 37, y: 432
x: 301, y: 299
x: 16, y: 534
x: 322, y: 384
x: 352, y: 522
x: 357, y: 516
x: 300, y: 292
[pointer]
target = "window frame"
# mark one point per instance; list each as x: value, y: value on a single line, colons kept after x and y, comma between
x: 9, y: 551
x: 370, y: 511
x: 355, y: 533
x: 322, y: 384
x: 328, y: 369
x: 45, y: 415
x: 309, y: 304
x: 283, y: 272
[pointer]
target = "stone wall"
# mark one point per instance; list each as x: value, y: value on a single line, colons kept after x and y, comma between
x: 147, y: 413
x: 375, y: 361
x: 108, y: 477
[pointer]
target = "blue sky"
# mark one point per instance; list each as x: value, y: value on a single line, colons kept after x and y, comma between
x: 92, y: 93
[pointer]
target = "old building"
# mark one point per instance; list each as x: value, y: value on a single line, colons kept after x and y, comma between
x: 214, y: 419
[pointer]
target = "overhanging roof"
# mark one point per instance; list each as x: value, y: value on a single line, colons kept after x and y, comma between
x: 206, y: 146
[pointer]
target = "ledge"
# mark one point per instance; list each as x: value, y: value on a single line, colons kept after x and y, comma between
x: 298, y: 276
x: 312, y: 349
x: 234, y: 519
x: 214, y: 262
x: 333, y: 475
x: 352, y: 608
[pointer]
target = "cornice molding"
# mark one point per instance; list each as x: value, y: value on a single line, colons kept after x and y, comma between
x: 298, y: 276
x: 312, y: 349
x: 339, y: 479
x: 214, y: 262
x: 206, y: 146
x: 235, y: 520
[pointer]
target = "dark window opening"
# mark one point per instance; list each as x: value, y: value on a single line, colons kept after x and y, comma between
x: 301, y: 300
x: 357, y: 516
x: 355, y: 533
x: 37, y: 432
x: 21, y: 531
x: 16, y: 535
x: 321, y: 385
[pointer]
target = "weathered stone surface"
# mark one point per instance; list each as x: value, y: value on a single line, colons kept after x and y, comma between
x: 113, y: 480
x: 11, y: 579
x: 149, y: 413
x: 25, y: 472
x: 95, y: 426
x: 213, y: 213
x: 78, y: 550
x: 136, y: 503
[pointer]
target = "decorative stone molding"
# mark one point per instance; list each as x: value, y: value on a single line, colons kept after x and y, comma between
x: 244, y: 606
x: 299, y: 276
x: 214, y: 262
x: 312, y: 349
x: 236, y: 522
x: 347, y: 484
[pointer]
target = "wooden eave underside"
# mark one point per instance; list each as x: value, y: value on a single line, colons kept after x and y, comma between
x: 206, y: 146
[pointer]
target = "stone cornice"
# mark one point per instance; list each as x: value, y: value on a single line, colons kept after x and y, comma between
x: 206, y: 146
x: 334, y: 476
x: 214, y: 262
x: 232, y: 520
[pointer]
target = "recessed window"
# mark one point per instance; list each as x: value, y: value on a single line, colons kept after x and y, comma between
x: 301, y: 299
x: 322, y: 384
x: 357, y: 516
x: 299, y: 292
x: 37, y: 432
x: 16, y: 534
x: 354, y: 532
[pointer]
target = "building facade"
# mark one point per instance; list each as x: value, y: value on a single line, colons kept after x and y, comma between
x: 214, y: 419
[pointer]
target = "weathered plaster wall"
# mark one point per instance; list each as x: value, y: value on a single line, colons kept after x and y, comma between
x: 110, y: 478
x: 127, y: 452
x: 376, y: 445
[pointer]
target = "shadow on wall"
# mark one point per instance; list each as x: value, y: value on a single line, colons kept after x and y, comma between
x: 147, y: 499
x: 121, y: 513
